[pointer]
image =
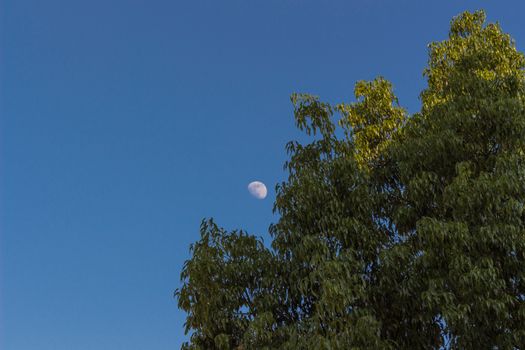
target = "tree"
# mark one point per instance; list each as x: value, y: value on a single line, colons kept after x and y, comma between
x: 406, y: 232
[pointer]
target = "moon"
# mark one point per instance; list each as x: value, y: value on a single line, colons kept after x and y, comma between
x: 257, y: 189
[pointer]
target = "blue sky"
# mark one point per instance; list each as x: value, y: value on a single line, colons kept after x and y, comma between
x: 124, y: 123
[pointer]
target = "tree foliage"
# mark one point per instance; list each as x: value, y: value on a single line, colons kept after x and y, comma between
x: 406, y: 232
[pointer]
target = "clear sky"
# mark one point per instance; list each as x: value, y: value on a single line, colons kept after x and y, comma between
x: 125, y: 122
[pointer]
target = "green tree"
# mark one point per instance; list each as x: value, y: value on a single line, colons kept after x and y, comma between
x: 406, y: 232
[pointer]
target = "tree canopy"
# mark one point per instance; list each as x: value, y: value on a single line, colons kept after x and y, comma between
x: 395, y: 231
